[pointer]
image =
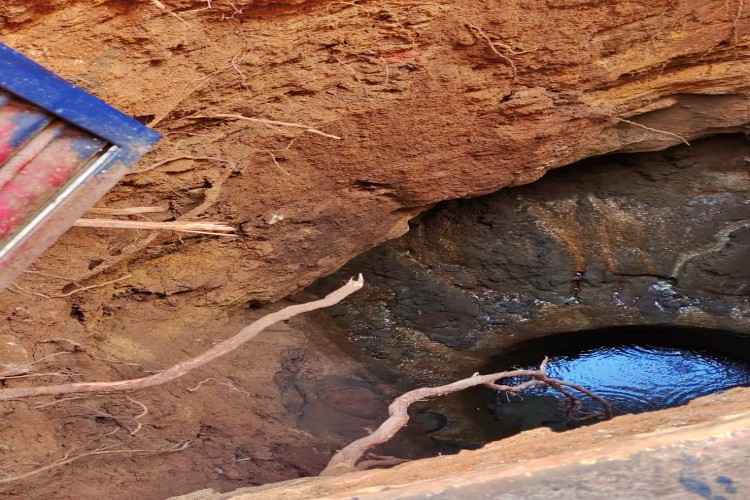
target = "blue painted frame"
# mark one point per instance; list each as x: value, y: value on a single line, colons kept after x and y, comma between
x: 127, y: 140
x: 28, y: 80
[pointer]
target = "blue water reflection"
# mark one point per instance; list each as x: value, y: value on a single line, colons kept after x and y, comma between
x: 635, y: 369
x: 637, y: 378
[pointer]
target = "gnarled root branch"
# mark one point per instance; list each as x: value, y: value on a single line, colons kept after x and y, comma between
x: 348, y: 459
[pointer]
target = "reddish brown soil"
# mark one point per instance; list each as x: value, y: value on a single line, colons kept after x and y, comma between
x: 431, y: 100
x: 276, y: 410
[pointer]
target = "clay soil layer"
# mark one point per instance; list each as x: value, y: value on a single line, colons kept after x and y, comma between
x: 317, y: 129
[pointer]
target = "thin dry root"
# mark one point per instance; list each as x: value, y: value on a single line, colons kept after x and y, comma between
x: 176, y: 158
x: 493, y: 47
x: 99, y: 451
x: 127, y: 211
x: 185, y: 367
x: 264, y: 121
x: 651, y: 129
x: 212, y: 228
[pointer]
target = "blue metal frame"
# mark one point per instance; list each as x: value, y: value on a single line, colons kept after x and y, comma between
x: 123, y: 139
x: 30, y: 81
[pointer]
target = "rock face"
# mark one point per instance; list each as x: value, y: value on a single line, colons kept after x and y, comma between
x: 643, y: 239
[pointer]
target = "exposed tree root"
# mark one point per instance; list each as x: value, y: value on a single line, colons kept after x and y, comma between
x: 185, y: 367
x: 211, y: 195
x: 105, y: 450
x: 264, y: 121
x: 212, y: 228
x: 651, y: 129
x: 348, y: 459
x: 127, y: 210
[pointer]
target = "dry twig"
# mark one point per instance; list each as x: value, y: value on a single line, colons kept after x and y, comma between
x: 187, y: 366
x: 212, y: 228
x: 306, y: 128
x: 126, y: 211
x: 651, y: 129
x: 99, y: 451
x: 348, y: 459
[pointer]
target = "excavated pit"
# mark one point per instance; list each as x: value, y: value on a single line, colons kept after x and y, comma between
x: 648, y: 239
x: 367, y: 114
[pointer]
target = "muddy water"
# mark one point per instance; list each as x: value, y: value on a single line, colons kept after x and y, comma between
x: 636, y: 370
